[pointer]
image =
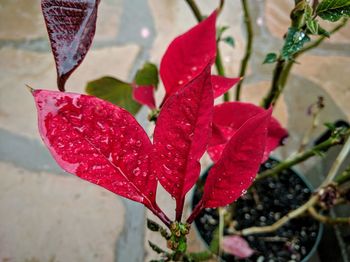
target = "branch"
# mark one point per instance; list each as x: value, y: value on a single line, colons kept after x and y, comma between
x: 279, y: 223
x: 195, y: 10
x: 283, y: 68
x: 248, y: 48
x: 344, y: 176
x: 324, y: 146
x: 327, y: 219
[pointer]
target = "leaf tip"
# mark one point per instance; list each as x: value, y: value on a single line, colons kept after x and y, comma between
x: 30, y: 89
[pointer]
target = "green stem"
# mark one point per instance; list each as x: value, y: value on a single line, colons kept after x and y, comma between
x: 248, y: 48
x: 195, y: 10
x: 324, y: 146
x: 344, y: 177
x: 283, y: 68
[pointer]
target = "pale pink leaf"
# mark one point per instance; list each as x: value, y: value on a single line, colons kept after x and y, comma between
x: 237, y: 246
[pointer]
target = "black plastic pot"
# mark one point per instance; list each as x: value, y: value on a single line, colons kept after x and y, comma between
x: 296, y: 241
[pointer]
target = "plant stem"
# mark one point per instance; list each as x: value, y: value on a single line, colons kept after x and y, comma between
x: 179, y: 209
x: 279, y: 223
x: 327, y: 219
x: 195, y: 212
x: 195, y: 10
x: 310, y: 203
x: 221, y: 228
x: 337, y: 163
x: 218, y: 61
x: 324, y: 146
x: 283, y: 68
x: 160, y: 214
x: 248, y: 48
x: 345, y: 176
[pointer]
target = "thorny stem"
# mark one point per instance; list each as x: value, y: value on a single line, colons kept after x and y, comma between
x: 310, y: 203
x: 328, y: 220
x: 218, y: 61
x: 283, y: 68
x: 248, y: 48
x: 300, y: 157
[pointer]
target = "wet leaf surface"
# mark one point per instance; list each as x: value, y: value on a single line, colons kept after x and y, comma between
x: 71, y: 27
x: 98, y: 142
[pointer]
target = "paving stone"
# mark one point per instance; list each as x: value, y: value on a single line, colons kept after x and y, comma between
x: 23, y: 20
x: 45, y: 216
x: 18, y: 67
x: 331, y: 73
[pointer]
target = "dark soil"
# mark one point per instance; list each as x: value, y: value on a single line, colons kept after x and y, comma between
x: 276, y: 197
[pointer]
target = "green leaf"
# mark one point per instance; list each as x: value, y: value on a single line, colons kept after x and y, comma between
x: 147, y: 75
x: 312, y: 25
x: 333, y: 10
x: 294, y: 41
x: 229, y: 40
x: 324, y: 32
x: 270, y: 58
x: 114, y: 91
x: 220, y: 30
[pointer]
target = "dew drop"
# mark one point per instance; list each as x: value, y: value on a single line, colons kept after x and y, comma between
x: 167, y: 170
x: 194, y: 68
x: 169, y: 147
x: 180, y: 82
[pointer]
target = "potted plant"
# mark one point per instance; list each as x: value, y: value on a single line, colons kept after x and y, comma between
x: 103, y: 143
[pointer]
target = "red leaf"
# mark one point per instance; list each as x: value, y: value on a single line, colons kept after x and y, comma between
x: 237, y: 246
x: 239, y: 163
x: 188, y: 55
x: 144, y: 95
x: 222, y: 84
x: 71, y: 28
x: 229, y: 117
x: 98, y: 142
x: 181, y: 136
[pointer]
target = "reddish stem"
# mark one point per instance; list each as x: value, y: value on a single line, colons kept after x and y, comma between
x: 179, y: 208
x: 195, y: 212
x: 160, y: 214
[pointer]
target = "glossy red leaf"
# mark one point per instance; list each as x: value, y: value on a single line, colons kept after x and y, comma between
x: 229, y: 117
x: 222, y: 84
x: 144, y: 95
x: 98, y: 142
x: 237, y: 246
x: 71, y: 27
x: 239, y: 163
x: 181, y: 136
x: 188, y: 55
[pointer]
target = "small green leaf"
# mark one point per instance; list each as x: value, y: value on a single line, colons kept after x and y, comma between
x: 147, y: 75
x: 333, y: 10
x: 312, y: 25
x: 229, y: 40
x: 294, y: 41
x: 220, y: 30
x: 114, y: 91
x: 270, y: 58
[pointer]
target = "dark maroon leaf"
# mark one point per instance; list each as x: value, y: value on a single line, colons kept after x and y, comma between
x: 71, y: 28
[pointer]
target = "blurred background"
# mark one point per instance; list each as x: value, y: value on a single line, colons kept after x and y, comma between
x: 47, y: 215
